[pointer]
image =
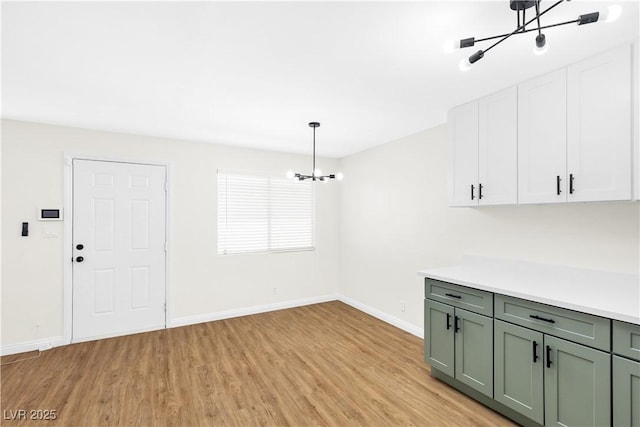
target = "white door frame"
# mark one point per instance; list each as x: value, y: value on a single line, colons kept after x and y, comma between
x: 67, y: 242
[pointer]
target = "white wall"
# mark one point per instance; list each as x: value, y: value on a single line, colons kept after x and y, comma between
x: 201, y: 282
x: 395, y: 221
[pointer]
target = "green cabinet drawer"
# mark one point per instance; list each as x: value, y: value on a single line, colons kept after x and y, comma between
x: 474, y: 300
x: 582, y: 328
x: 626, y: 339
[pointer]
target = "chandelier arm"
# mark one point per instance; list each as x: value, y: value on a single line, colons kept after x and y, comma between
x: 538, y: 16
x: 574, y: 21
x: 523, y: 27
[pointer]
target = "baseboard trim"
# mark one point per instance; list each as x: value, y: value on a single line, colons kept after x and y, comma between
x: 47, y: 343
x: 41, y: 344
x: 245, y: 311
x: 385, y: 317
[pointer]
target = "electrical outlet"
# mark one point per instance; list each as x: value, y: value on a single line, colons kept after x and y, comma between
x: 402, y: 306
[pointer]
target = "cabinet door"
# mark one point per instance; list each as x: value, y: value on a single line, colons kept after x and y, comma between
x: 518, y: 364
x: 577, y: 384
x: 498, y: 148
x: 599, y: 127
x: 626, y: 392
x: 438, y: 336
x: 474, y: 351
x: 542, y: 138
x: 463, y: 155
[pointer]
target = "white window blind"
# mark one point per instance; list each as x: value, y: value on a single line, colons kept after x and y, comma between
x: 261, y: 213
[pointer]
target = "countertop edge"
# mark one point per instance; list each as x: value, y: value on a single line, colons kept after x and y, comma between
x: 536, y: 298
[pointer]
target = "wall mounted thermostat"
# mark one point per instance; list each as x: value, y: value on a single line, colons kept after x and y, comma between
x: 49, y: 215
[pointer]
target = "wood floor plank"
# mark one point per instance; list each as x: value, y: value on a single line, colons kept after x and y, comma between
x: 324, y: 364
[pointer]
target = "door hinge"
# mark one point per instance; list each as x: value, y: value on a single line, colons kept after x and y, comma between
x: 165, y: 307
x: 166, y: 186
x: 166, y: 246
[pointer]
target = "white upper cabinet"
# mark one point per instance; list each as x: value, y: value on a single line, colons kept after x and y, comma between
x: 599, y: 127
x: 565, y: 136
x: 463, y: 155
x: 542, y: 143
x: 498, y: 148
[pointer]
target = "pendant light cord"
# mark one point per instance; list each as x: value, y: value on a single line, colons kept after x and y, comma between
x: 313, y: 170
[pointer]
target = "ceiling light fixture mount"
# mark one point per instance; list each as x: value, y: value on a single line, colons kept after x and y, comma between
x: 316, y: 174
x: 520, y: 7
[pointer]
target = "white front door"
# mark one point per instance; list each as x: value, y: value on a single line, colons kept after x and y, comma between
x: 119, y: 235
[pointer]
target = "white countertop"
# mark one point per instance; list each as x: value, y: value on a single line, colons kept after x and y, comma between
x: 606, y: 294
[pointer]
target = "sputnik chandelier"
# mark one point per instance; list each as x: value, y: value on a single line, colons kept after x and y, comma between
x: 316, y: 174
x: 520, y: 7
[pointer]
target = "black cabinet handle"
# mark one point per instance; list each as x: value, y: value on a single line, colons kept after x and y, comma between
x: 570, y: 183
x: 448, y: 321
x: 472, y: 189
x: 79, y: 259
x: 558, y: 185
x: 454, y: 296
x: 548, y: 357
x: 535, y: 352
x: 535, y: 316
x: 456, y: 325
x: 480, y: 191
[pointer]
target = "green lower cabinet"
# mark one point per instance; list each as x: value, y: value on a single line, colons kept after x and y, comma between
x: 626, y: 392
x: 519, y: 369
x: 474, y: 351
x: 438, y: 337
x: 459, y: 343
x: 577, y: 384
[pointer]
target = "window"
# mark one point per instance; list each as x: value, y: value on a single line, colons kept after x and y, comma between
x: 262, y: 214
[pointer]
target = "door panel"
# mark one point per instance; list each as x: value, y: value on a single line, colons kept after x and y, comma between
x: 463, y: 155
x: 599, y: 126
x: 438, y: 340
x: 542, y: 138
x: 518, y: 377
x: 577, y: 385
x: 474, y: 351
x: 119, y: 217
x: 626, y: 392
x: 498, y: 148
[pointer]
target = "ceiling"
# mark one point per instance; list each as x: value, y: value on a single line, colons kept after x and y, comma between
x: 254, y: 74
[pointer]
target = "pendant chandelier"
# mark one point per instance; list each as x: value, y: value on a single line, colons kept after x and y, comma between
x: 316, y: 174
x: 520, y: 7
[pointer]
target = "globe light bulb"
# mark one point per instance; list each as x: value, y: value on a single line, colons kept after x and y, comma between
x: 339, y: 176
x: 613, y: 13
x: 464, y: 64
x: 290, y: 174
x: 317, y: 172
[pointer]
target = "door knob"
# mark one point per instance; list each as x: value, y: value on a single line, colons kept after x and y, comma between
x: 79, y: 259
x: 80, y: 246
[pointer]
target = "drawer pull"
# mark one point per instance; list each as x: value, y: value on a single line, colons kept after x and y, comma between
x: 448, y: 321
x: 535, y: 352
x: 456, y: 325
x: 535, y: 316
x: 454, y: 296
x: 548, y: 357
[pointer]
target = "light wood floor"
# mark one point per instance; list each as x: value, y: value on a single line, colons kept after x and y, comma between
x: 324, y: 364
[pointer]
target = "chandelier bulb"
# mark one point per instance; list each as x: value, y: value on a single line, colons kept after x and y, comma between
x: 290, y: 174
x: 613, y: 13
x: 541, y: 46
x: 339, y: 176
x: 464, y: 64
